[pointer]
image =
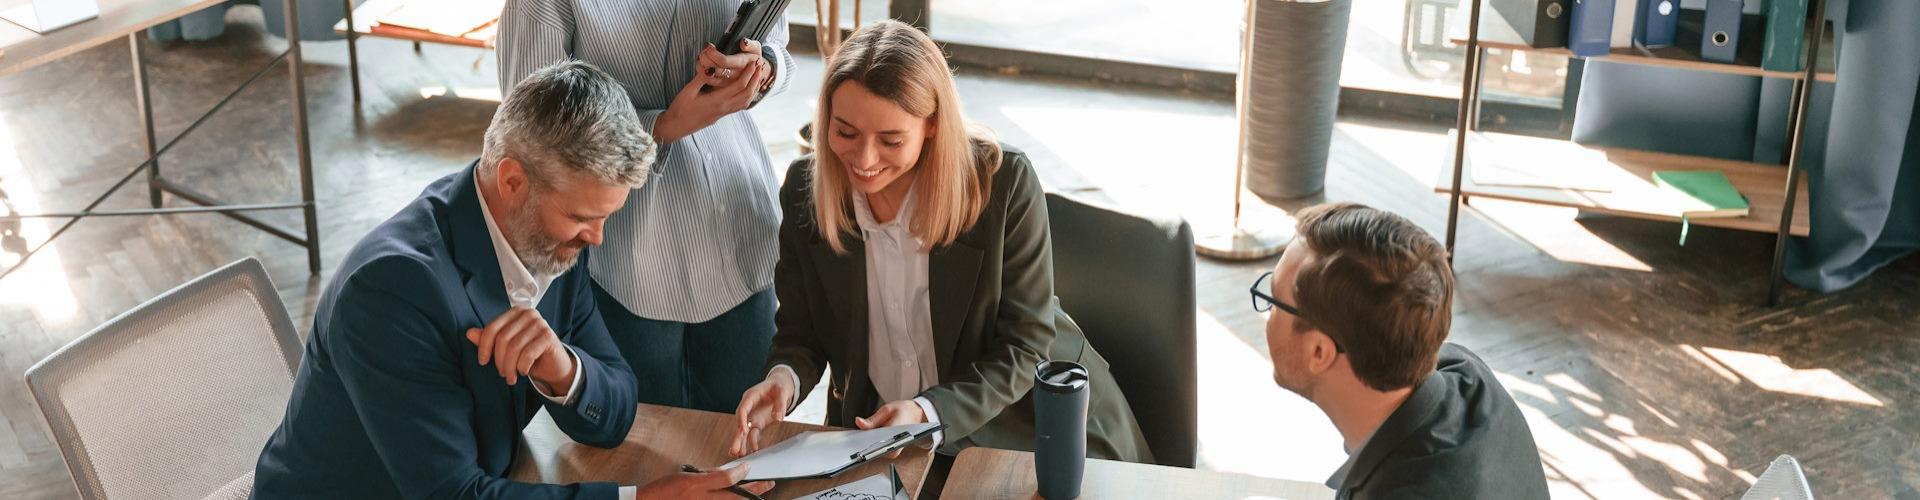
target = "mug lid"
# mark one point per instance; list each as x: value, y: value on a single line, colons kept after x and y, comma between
x: 1061, y: 376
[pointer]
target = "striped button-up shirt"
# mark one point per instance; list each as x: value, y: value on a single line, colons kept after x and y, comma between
x: 700, y: 236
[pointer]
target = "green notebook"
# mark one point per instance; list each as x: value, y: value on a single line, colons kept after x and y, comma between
x: 1702, y: 194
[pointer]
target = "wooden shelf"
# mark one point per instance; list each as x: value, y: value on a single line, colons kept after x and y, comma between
x: 1496, y: 33
x: 1624, y: 178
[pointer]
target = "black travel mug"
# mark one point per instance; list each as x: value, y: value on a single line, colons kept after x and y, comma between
x: 1060, y: 428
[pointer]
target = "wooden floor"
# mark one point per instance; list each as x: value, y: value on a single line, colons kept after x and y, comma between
x: 1646, y: 369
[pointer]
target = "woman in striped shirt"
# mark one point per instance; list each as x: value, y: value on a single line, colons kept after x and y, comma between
x: 684, y: 277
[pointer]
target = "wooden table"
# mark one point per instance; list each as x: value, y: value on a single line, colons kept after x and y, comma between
x: 369, y: 14
x: 21, y: 48
x: 983, y: 473
x: 662, y: 439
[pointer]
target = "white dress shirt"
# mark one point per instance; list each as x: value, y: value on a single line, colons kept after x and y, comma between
x: 523, y: 290
x: 900, y: 356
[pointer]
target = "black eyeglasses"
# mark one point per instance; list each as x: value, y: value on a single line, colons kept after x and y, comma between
x: 1263, y: 303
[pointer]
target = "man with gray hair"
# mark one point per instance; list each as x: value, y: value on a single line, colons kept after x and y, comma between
x: 453, y: 322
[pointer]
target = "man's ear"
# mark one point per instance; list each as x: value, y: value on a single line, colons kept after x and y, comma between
x: 1321, y: 352
x: 510, y: 180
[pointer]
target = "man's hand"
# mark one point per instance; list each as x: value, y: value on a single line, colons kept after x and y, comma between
x: 709, y: 485
x: 902, y: 412
x: 709, y: 96
x: 519, y: 343
x: 762, y: 405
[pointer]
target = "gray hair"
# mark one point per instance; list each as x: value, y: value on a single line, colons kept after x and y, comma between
x: 569, y: 117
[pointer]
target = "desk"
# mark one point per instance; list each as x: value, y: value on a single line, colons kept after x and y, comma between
x: 373, y: 10
x: 21, y: 48
x: 662, y: 439
x: 983, y: 473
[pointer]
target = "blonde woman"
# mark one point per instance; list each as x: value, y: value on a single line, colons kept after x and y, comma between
x: 915, y: 261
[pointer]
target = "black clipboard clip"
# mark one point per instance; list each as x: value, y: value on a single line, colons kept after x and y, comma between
x: 896, y: 442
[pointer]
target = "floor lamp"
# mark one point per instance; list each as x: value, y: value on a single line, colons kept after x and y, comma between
x: 1243, y: 241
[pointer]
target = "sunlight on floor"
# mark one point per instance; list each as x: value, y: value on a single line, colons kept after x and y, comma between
x: 42, y: 284
x: 1575, y: 463
x: 1250, y: 425
x: 1554, y: 231
x: 1112, y: 149
x: 488, y: 94
x: 1770, y: 373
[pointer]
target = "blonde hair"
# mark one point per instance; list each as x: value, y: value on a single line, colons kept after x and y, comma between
x: 956, y: 165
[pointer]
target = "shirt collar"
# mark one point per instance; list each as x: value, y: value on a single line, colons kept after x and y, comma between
x: 1339, y: 476
x: 1403, y: 422
x: 523, y: 288
x: 863, y: 213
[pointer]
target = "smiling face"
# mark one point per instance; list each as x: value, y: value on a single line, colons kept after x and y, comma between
x: 877, y: 142
x: 548, y: 226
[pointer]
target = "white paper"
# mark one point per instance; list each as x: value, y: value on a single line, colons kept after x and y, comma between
x: 817, y: 453
x: 874, y: 487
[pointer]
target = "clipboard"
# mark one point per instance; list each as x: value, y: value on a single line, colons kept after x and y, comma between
x: 751, y: 22
x: 826, y: 454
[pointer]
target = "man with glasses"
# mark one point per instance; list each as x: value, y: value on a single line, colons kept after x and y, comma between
x: 1364, y: 300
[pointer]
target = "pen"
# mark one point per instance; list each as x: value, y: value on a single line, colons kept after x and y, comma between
x: 736, y: 489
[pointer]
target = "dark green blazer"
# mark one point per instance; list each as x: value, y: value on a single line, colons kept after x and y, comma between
x: 994, y: 319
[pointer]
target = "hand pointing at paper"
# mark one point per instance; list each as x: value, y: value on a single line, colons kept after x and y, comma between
x: 762, y: 405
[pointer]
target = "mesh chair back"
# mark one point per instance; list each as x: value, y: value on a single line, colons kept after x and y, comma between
x: 1128, y: 281
x: 1783, y: 480
x: 175, y: 398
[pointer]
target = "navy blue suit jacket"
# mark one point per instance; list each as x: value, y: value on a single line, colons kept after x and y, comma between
x: 390, y: 400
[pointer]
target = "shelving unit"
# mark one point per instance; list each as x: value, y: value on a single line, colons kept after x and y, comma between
x: 1618, y: 181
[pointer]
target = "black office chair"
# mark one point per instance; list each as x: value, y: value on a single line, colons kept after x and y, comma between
x: 1127, y: 280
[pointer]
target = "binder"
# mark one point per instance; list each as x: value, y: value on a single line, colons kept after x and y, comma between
x: 1590, y: 31
x: 1785, y: 46
x: 1656, y: 23
x: 1720, y: 33
x: 1625, y: 12
x: 1540, y: 23
x: 752, y: 22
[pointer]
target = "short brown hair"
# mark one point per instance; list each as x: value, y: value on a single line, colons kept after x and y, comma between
x: 1380, y: 286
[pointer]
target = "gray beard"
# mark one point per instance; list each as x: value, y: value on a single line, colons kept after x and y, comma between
x: 534, y: 248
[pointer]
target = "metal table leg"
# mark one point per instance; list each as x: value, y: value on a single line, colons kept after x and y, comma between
x: 1469, y: 104
x: 301, y: 144
x: 137, y: 43
x: 353, y: 52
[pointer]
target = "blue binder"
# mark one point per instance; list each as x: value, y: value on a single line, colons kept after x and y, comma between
x: 1656, y: 22
x: 1591, y: 33
x: 1720, y: 33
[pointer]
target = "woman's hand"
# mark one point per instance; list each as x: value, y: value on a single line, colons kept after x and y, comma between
x: 902, y: 412
x: 709, y: 97
x: 762, y: 405
x: 715, y: 64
